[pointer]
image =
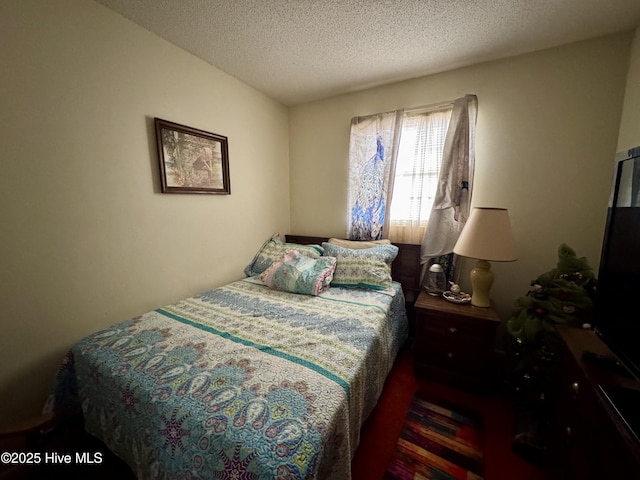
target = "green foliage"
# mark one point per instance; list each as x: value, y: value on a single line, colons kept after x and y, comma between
x: 561, y: 296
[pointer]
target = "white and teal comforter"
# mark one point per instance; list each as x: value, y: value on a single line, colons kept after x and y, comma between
x: 239, y: 382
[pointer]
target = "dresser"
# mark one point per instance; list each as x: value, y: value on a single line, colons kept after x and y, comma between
x: 455, y: 343
x: 589, y: 439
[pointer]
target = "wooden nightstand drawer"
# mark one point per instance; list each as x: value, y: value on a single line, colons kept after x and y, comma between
x: 452, y: 359
x: 438, y: 329
x: 454, y: 343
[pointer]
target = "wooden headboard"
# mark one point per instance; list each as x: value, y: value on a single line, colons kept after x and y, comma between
x: 404, y: 270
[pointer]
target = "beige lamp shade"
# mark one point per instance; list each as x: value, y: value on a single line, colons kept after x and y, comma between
x: 486, y: 237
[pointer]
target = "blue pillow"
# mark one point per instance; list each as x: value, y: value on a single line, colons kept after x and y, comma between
x: 273, y: 249
x: 297, y: 273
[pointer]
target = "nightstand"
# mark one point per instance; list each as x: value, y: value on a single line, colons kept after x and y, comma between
x: 455, y: 343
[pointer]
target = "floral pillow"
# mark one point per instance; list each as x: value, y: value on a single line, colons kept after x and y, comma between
x: 298, y: 273
x: 364, y: 268
x: 273, y: 249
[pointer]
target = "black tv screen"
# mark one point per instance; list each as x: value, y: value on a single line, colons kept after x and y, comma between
x: 617, y: 314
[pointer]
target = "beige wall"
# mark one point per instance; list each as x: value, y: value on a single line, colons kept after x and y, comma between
x: 87, y: 239
x: 546, y: 138
x: 630, y: 125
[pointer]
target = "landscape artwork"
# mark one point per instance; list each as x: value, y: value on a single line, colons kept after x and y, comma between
x: 191, y: 160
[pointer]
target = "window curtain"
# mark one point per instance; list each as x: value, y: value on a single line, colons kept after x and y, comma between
x: 417, y: 173
x: 373, y: 147
x: 451, y: 205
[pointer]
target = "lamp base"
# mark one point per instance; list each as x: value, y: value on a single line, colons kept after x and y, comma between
x: 481, y: 281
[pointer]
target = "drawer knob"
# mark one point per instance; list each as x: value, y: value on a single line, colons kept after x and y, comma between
x: 567, y: 430
x: 450, y: 355
x: 453, y: 329
x: 575, y: 387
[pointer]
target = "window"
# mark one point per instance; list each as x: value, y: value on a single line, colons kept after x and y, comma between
x: 417, y: 169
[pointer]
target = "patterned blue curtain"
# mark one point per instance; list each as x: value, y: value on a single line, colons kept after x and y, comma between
x: 372, y: 149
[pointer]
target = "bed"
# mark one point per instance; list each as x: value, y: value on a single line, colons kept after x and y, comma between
x: 255, y: 379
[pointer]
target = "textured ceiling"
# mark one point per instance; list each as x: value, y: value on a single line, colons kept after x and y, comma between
x: 297, y: 51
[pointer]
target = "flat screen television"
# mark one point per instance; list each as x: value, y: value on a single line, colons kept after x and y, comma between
x: 617, y: 302
x: 617, y: 317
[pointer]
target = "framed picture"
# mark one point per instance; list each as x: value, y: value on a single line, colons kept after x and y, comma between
x: 191, y: 160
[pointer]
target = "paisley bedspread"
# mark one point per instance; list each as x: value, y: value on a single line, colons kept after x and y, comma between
x: 239, y: 382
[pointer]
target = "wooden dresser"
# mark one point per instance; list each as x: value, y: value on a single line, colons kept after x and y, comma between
x: 589, y: 439
x: 455, y: 343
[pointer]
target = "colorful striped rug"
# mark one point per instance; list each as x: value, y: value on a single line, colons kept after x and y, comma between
x: 439, y: 441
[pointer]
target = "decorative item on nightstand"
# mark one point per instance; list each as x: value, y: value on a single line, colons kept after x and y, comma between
x: 486, y: 237
x: 436, y: 280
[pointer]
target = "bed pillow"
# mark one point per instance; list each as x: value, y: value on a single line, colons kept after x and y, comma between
x: 364, y: 268
x: 359, y: 243
x: 273, y: 249
x: 298, y: 273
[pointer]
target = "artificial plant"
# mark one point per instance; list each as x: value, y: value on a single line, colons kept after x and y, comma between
x: 561, y: 296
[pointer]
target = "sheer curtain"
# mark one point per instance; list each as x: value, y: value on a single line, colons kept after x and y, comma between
x: 452, y: 202
x: 417, y: 171
x: 372, y: 151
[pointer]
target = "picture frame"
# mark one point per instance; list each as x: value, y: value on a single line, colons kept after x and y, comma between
x: 191, y: 160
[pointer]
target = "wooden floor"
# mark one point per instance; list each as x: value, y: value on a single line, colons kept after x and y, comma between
x: 381, y: 431
x: 377, y: 443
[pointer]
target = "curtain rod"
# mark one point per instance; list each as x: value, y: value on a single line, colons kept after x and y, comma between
x: 410, y: 111
x: 432, y: 106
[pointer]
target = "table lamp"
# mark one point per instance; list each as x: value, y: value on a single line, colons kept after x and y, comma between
x: 486, y: 237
